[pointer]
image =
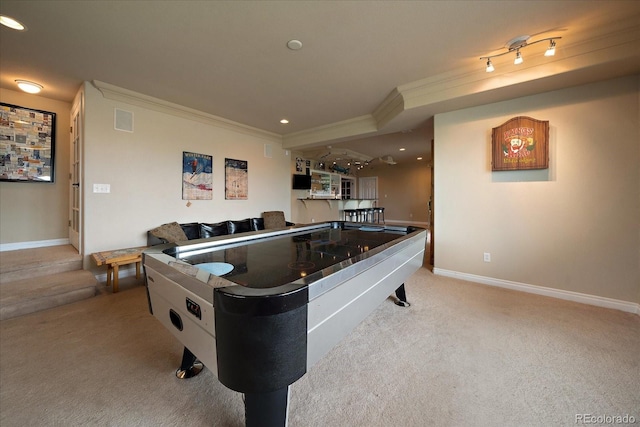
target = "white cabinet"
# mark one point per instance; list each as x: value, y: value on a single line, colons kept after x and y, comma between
x: 325, y: 185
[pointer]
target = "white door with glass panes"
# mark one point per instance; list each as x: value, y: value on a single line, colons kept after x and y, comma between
x: 75, y: 173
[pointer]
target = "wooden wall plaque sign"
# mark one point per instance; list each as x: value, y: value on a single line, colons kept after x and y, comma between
x: 520, y: 143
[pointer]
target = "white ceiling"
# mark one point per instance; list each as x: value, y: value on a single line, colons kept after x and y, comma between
x: 366, y: 68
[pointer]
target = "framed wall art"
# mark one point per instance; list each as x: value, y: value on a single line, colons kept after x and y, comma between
x: 27, y: 144
x: 236, y: 181
x: 197, y: 176
x: 521, y: 143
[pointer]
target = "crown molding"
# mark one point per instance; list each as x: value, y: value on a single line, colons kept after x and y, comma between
x: 344, y: 129
x: 392, y: 106
x: 116, y: 93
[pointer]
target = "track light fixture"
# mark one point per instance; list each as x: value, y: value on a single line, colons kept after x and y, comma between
x: 518, y: 43
x: 489, y: 66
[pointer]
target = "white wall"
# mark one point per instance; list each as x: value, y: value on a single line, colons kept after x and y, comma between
x: 574, y: 227
x: 144, y: 170
x: 38, y: 212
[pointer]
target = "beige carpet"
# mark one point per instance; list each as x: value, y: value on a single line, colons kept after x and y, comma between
x: 462, y: 355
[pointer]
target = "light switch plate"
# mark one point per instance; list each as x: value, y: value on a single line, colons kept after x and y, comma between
x: 101, y: 188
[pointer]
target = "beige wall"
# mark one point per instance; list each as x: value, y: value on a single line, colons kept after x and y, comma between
x: 35, y: 212
x: 403, y: 190
x: 574, y: 227
x: 144, y: 170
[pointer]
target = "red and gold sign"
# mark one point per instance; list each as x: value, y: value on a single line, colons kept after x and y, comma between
x: 520, y: 143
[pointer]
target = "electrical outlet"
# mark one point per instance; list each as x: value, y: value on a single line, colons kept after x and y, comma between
x: 487, y: 257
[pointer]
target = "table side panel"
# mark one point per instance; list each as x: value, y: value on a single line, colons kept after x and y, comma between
x: 197, y: 334
x: 354, y: 284
x: 334, y: 314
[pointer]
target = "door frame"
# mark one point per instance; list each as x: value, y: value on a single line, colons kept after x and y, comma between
x: 75, y: 172
x: 431, y: 211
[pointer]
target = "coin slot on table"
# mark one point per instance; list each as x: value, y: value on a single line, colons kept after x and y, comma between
x: 194, y: 308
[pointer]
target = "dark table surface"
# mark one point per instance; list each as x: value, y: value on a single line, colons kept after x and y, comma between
x: 272, y: 262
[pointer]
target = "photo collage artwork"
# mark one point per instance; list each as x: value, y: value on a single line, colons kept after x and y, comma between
x: 27, y: 144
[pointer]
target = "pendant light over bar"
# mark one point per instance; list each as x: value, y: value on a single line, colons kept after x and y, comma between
x: 518, y: 43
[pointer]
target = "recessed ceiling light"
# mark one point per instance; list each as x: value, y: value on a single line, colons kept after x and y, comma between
x: 419, y: 158
x: 294, y: 44
x: 12, y: 23
x: 402, y: 149
x: 284, y: 121
x: 29, y: 87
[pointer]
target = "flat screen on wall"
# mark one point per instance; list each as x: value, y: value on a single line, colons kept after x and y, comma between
x: 301, y: 182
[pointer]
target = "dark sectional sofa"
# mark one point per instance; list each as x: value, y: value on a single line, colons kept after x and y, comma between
x: 202, y: 230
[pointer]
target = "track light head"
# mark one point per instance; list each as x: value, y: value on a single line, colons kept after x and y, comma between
x: 551, y: 50
x: 489, y: 66
x: 518, y: 59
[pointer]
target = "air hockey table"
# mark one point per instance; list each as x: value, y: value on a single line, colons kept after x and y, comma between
x: 259, y: 309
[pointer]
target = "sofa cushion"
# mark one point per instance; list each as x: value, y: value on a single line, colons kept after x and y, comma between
x: 211, y: 230
x: 191, y: 230
x: 241, y: 226
x: 257, y: 224
x: 171, y: 232
x: 274, y: 219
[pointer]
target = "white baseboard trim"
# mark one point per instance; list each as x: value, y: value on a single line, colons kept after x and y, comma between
x: 30, y: 245
x: 598, y: 301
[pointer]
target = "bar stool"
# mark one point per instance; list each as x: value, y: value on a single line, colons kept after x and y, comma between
x: 351, y: 215
x: 379, y: 212
x: 362, y: 214
x: 370, y: 214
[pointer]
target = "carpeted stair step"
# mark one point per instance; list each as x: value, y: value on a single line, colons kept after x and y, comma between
x: 20, y: 297
x: 29, y: 263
